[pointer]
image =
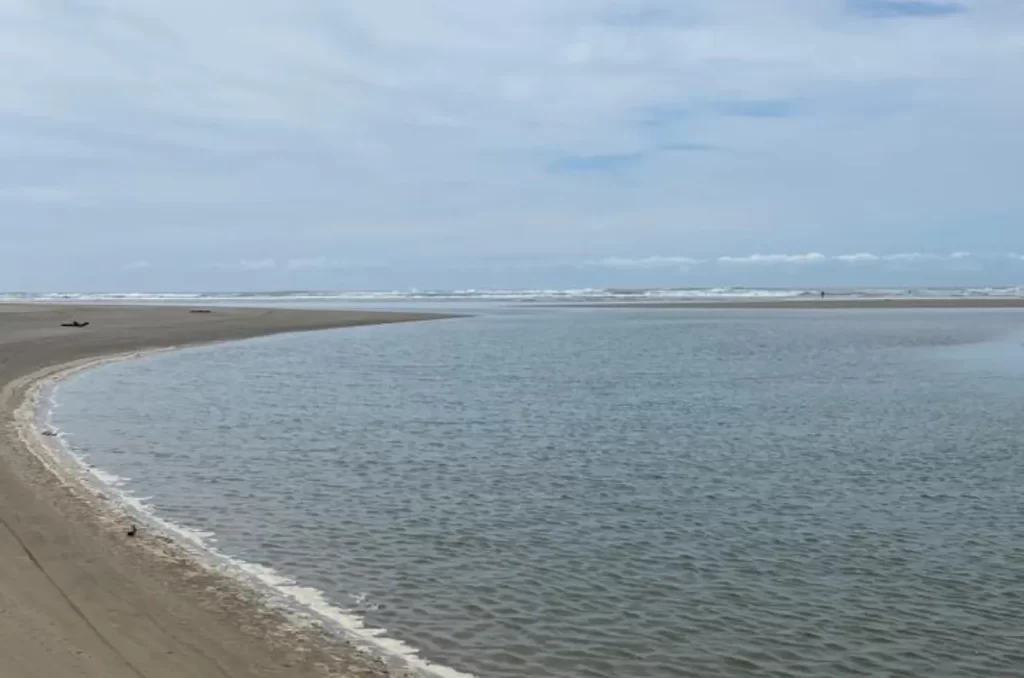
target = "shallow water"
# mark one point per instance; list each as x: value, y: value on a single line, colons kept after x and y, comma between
x: 573, y: 493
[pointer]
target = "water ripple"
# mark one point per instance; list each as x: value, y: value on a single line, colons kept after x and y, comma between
x: 610, y: 494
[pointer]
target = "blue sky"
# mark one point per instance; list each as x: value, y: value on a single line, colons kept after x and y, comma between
x: 311, y: 144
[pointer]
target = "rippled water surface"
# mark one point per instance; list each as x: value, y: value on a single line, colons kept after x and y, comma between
x: 627, y: 494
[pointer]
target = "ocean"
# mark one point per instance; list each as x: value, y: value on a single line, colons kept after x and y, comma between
x: 568, y: 493
x: 534, y: 296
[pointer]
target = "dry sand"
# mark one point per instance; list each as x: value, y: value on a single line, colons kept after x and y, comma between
x: 818, y: 303
x: 78, y: 598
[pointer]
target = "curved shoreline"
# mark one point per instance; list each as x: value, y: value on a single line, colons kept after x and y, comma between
x: 305, y: 607
x: 79, y: 598
x: 27, y: 410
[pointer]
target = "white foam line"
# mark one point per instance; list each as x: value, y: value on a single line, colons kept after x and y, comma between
x: 305, y: 606
x: 536, y: 295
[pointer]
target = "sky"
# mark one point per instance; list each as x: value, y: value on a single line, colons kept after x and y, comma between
x: 187, y: 145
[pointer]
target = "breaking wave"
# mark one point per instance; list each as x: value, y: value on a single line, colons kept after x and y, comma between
x: 526, y: 295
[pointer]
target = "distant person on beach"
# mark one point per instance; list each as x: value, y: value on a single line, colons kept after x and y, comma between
x: 823, y: 294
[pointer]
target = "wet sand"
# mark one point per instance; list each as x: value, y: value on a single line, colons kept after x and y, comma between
x: 81, y: 599
x: 818, y: 303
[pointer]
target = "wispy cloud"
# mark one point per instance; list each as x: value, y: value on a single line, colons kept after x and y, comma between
x: 858, y: 258
x: 867, y: 258
x: 896, y: 9
x: 808, y: 258
x: 855, y: 258
x: 299, y: 265
x: 140, y: 265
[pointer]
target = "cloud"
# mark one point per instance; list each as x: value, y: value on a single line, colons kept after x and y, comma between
x: 140, y: 265
x: 856, y: 258
x: 461, y: 131
x: 909, y: 256
x: 897, y: 9
x: 644, y: 262
x: 808, y: 258
x: 649, y: 263
x: 920, y: 256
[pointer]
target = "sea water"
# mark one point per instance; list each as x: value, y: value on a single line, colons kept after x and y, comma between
x: 609, y: 493
x: 533, y: 296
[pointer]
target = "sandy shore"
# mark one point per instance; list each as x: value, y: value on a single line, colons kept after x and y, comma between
x: 816, y: 303
x: 80, y: 599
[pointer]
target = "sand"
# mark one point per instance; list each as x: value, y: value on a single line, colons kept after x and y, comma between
x: 78, y: 598
x: 816, y: 303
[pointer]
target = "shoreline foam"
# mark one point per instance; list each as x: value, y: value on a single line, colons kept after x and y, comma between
x: 305, y: 605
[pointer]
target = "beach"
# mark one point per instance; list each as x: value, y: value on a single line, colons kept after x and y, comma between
x: 81, y: 599
x: 881, y: 392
